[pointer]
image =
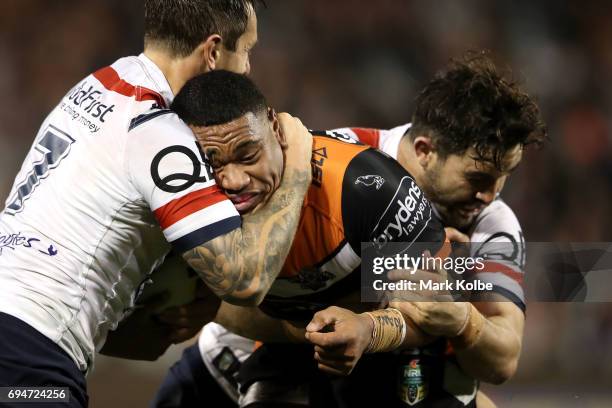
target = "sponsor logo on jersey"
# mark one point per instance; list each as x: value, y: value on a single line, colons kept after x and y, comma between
x: 316, y: 162
x: 405, y: 217
x: 371, y: 180
x: 15, y: 241
x: 201, y: 172
x: 87, y: 97
x: 84, y: 107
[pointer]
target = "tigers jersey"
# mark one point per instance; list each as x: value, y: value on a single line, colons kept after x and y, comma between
x: 496, y: 234
x: 112, y: 181
x: 431, y: 370
x: 356, y: 196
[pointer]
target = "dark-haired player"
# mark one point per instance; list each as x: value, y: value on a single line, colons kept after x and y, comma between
x: 241, y: 137
x: 468, y: 132
x: 113, y: 181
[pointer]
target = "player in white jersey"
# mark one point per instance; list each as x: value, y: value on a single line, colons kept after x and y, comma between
x: 463, y: 183
x: 113, y: 181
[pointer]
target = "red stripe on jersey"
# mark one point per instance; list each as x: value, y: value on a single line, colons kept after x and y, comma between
x: 370, y: 137
x: 494, y: 267
x: 193, y: 202
x: 111, y: 81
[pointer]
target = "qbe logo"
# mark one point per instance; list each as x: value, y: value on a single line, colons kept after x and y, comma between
x: 405, y: 217
x: 199, y: 169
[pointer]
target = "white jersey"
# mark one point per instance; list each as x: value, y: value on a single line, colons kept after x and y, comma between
x: 495, y: 234
x: 113, y: 180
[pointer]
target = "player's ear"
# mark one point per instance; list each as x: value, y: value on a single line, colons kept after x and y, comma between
x: 423, y: 149
x: 209, y: 52
x: 276, y: 128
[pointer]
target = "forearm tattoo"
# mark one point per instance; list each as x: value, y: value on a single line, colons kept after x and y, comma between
x: 240, y: 266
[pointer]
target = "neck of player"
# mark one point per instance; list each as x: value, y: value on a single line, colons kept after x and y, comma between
x: 177, y: 70
x: 407, y: 158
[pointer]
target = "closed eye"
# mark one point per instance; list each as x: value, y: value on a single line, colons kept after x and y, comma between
x: 216, y: 167
x: 250, y: 158
x: 480, y: 181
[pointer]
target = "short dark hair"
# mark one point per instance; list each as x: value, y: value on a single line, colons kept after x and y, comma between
x: 217, y: 97
x: 471, y: 105
x: 180, y: 25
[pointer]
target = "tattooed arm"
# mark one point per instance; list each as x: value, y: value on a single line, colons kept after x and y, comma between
x: 240, y: 266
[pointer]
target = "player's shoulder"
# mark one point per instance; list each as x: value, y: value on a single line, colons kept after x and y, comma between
x: 158, y: 118
x: 496, y: 218
x: 158, y: 121
x: 137, y: 78
x: 133, y: 83
x: 388, y: 136
x: 381, y: 203
x: 386, y: 140
x: 336, y: 135
x: 112, y: 98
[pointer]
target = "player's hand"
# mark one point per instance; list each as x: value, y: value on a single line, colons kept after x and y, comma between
x: 340, y: 337
x: 455, y: 235
x: 432, y: 310
x: 184, y: 322
x: 419, y: 291
x: 299, y: 141
x: 460, y: 242
x: 444, y: 319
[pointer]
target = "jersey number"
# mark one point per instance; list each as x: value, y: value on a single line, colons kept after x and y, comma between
x: 55, y: 146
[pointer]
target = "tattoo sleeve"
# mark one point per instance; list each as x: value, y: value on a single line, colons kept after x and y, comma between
x: 240, y: 266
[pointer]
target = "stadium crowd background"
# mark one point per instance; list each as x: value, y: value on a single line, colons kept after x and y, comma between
x: 348, y: 62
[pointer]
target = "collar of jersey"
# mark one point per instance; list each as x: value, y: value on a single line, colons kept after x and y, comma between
x: 163, y: 87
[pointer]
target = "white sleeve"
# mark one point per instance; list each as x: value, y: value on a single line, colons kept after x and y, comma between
x: 386, y: 140
x: 497, y: 237
x: 170, y: 173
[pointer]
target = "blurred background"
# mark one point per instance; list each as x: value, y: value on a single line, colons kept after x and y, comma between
x: 356, y: 62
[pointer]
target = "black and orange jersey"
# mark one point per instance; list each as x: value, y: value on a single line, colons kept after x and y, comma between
x: 358, y: 194
x: 495, y: 224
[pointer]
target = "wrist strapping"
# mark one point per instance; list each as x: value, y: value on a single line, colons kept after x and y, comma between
x: 471, y: 330
x: 389, y: 330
